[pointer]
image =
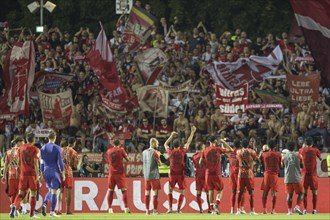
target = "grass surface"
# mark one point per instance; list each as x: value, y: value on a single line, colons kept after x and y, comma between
x: 190, y: 216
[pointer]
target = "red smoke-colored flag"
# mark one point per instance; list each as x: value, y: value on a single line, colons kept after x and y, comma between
x: 19, y: 71
x: 100, y: 61
x: 313, y: 16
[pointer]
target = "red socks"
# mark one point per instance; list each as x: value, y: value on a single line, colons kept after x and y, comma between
x: 274, y: 202
x: 314, y: 202
x: 251, y: 201
x: 180, y: 201
x: 147, y: 201
x: 264, y: 201
x: 110, y: 198
x: 33, y: 202
x: 155, y: 202
x: 18, y: 200
x: 199, y: 201
x: 170, y: 200
x: 233, y: 199
x: 125, y: 198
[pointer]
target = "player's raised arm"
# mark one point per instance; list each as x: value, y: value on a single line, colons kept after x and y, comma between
x: 166, y: 145
x: 229, y: 149
x: 193, y: 130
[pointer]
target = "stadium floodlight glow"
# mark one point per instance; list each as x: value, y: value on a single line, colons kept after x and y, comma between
x: 34, y: 6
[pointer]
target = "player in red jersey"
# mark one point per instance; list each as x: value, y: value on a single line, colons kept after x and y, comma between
x: 213, y: 179
x: 116, y: 155
x: 29, y: 174
x: 176, y: 157
x: 70, y: 159
x: 309, y: 173
x: 10, y: 166
x: 233, y: 170
x: 246, y: 156
x: 272, y: 163
x: 200, y: 177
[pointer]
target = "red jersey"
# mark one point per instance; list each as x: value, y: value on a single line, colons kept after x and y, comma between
x: 200, y: 168
x: 164, y: 130
x: 27, y: 153
x: 70, y: 158
x: 176, y: 157
x: 272, y: 161
x: 11, y: 161
x: 146, y: 129
x: 309, y: 155
x: 245, y: 158
x: 116, y: 157
x: 233, y: 162
x: 212, y: 158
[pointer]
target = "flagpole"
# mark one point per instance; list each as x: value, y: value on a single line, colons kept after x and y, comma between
x: 154, y: 122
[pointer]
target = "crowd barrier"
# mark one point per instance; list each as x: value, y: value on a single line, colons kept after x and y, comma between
x: 90, y: 195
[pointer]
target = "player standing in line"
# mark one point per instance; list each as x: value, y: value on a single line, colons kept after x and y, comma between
x: 176, y: 157
x: 10, y: 166
x: 52, y: 167
x: 272, y: 163
x: 115, y: 155
x: 246, y: 156
x: 151, y: 161
x: 70, y: 159
x: 200, y: 177
x: 213, y: 178
x: 309, y: 173
x: 293, y: 163
x: 233, y: 170
x: 29, y: 174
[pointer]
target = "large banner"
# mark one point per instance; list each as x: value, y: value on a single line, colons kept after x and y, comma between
x: 19, y: 71
x: 153, y: 99
x: 303, y: 89
x: 51, y: 81
x: 252, y: 70
x: 183, y: 87
x: 151, y: 63
x: 57, y: 108
x: 89, y: 195
x: 313, y: 18
x: 139, y: 27
x: 229, y: 101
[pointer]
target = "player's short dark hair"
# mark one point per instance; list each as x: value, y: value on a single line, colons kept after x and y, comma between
x: 237, y: 143
x: 51, y: 135
x: 116, y: 142
x: 176, y: 143
x: 71, y: 140
x: 245, y: 143
x: 309, y: 141
x: 212, y: 139
x: 272, y: 144
x: 291, y: 146
x: 30, y: 137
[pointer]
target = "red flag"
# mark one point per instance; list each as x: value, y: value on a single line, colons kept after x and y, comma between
x: 100, y: 61
x: 19, y: 71
x: 314, y: 19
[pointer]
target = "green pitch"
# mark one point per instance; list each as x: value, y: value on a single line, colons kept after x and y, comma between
x: 197, y: 216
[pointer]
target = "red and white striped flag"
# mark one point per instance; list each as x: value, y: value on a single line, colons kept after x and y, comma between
x: 313, y: 17
x: 102, y: 45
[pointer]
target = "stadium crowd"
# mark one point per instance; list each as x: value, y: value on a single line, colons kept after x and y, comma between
x: 189, y: 51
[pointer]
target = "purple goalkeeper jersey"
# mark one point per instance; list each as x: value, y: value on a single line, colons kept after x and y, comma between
x: 51, y: 158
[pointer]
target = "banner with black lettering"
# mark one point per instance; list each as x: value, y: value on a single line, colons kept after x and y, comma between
x: 57, y: 108
x: 229, y: 101
x: 303, y: 90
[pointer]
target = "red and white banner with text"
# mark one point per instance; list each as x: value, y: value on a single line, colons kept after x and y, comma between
x: 303, y: 90
x: 252, y: 70
x: 57, y: 108
x: 229, y: 101
x: 90, y: 196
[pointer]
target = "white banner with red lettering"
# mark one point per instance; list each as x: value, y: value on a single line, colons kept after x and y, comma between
x: 153, y: 99
x: 90, y: 196
x: 252, y: 70
x: 57, y: 108
x: 229, y: 101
